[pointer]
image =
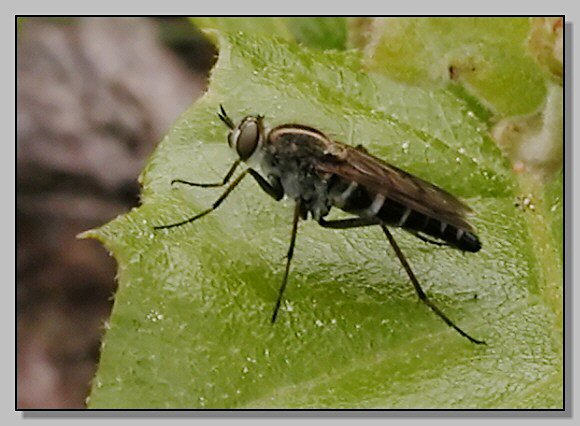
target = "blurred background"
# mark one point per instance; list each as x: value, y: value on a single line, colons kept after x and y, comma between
x: 94, y: 97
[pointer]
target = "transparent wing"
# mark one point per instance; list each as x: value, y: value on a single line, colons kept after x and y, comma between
x: 377, y: 176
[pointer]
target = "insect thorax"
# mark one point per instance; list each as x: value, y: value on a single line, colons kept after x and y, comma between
x: 298, y: 179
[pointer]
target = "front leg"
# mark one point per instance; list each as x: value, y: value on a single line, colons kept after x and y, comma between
x: 273, y: 188
x: 224, y: 181
x: 214, y: 206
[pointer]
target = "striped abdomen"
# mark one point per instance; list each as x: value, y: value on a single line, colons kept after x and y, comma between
x: 354, y: 198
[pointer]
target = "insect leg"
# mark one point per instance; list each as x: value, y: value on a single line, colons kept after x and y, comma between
x: 420, y: 291
x: 274, y: 190
x: 297, y: 209
x: 429, y: 240
x: 348, y: 223
x: 214, y: 206
x: 224, y: 181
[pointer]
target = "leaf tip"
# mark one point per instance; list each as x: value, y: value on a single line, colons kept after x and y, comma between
x: 91, y: 233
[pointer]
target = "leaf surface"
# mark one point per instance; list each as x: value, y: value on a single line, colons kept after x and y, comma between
x: 190, y: 327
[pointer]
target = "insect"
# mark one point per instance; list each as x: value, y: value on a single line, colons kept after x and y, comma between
x: 303, y: 164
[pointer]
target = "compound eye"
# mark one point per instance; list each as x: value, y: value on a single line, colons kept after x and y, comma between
x: 247, y: 140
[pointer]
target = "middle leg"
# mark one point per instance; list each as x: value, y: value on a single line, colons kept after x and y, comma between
x: 297, y: 209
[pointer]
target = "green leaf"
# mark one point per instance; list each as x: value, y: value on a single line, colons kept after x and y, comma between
x: 191, y: 323
x: 490, y: 56
x: 321, y: 32
x: 554, y: 204
x: 543, y: 205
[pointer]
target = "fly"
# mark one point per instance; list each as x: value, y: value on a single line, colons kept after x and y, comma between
x: 303, y: 164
